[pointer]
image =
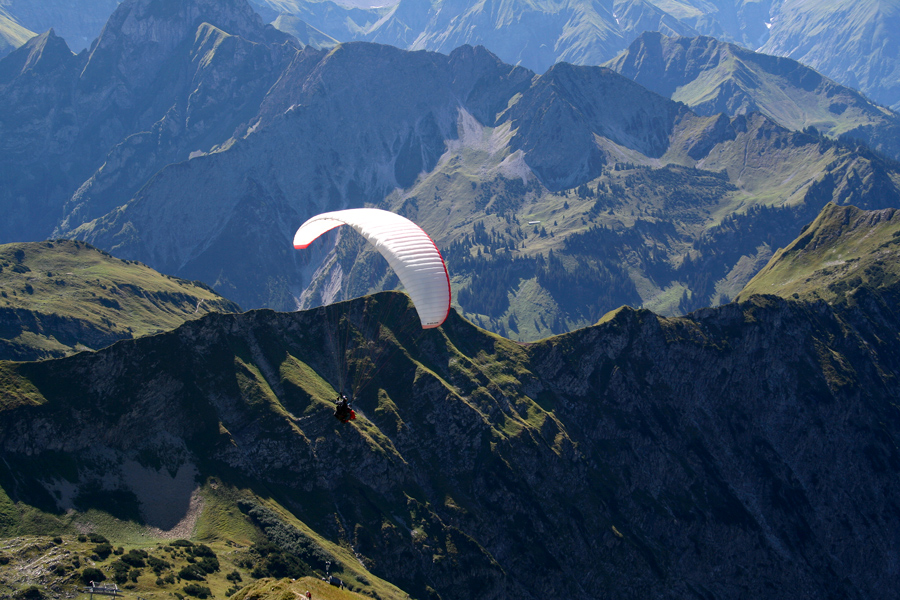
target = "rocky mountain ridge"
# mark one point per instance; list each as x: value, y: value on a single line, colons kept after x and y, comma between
x: 843, y: 249
x: 543, y: 33
x: 535, y: 35
x: 714, y: 77
x: 848, y: 41
x: 732, y: 452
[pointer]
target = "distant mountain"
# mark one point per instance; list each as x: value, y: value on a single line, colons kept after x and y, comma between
x: 62, y: 296
x: 308, y: 36
x: 849, y: 41
x: 844, y: 251
x: 77, y: 21
x: 745, y: 22
x: 12, y: 35
x: 555, y: 198
x: 149, y: 93
x: 535, y: 35
x: 731, y: 449
x: 855, y: 42
x: 714, y: 77
x: 633, y: 171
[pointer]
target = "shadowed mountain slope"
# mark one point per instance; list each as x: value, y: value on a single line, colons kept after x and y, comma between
x: 90, y: 129
x: 730, y: 451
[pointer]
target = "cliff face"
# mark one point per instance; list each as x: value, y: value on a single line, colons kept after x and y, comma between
x: 738, y: 452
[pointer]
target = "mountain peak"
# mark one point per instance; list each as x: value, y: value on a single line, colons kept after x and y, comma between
x: 712, y: 76
x: 41, y: 54
x: 142, y: 34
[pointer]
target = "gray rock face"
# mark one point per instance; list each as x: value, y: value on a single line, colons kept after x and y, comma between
x: 739, y: 452
x: 158, y: 85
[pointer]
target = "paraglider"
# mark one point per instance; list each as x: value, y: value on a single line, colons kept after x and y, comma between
x: 410, y: 252
x: 342, y: 410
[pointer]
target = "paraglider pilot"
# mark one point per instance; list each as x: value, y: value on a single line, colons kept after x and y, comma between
x: 343, y: 412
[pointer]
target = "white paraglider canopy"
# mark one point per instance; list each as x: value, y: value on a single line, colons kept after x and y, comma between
x: 410, y: 252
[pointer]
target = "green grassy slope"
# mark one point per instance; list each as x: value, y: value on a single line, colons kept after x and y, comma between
x: 61, y: 296
x: 842, y: 250
x: 159, y: 569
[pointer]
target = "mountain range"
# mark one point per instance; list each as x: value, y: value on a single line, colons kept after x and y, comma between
x: 715, y: 77
x: 736, y: 452
x: 670, y: 370
x: 195, y: 139
x: 853, y: 42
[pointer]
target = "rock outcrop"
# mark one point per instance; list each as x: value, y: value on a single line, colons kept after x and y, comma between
x: 738, y: 452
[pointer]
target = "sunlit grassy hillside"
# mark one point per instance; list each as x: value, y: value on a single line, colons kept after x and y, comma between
x: 61, y: 296
x: 843, y: 249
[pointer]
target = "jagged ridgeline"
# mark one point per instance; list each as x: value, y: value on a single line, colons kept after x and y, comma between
x: 714, y: 77
x: 739, y: 450
x: 62, y: 296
